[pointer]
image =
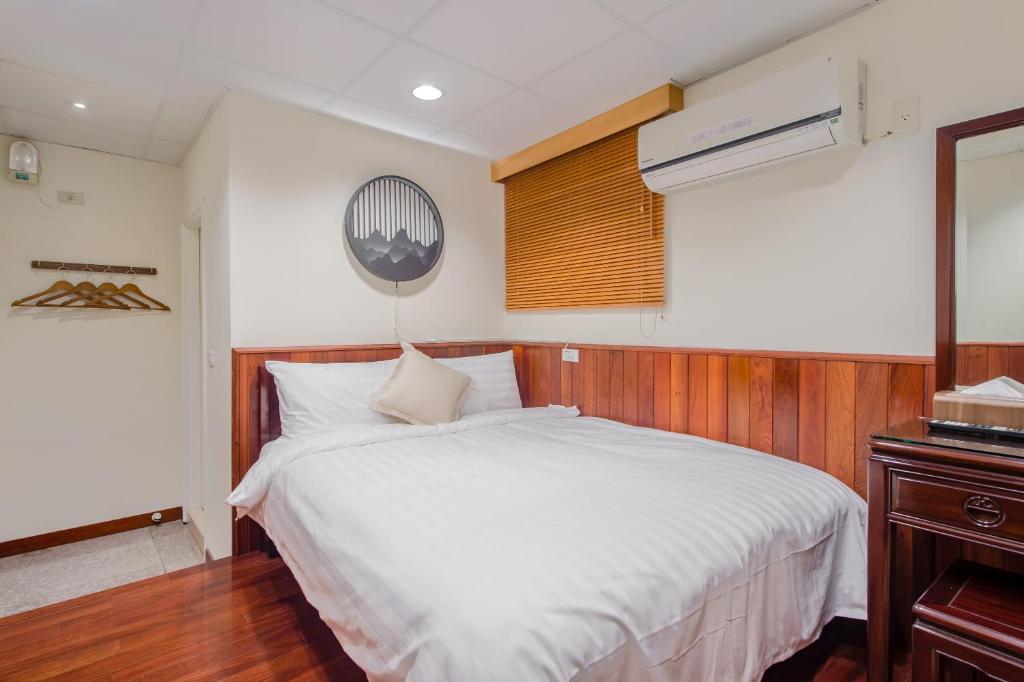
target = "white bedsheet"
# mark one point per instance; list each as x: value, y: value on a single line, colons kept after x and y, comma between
x: 532, y: 545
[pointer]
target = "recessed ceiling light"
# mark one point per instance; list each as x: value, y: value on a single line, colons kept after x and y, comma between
x: 427, y: 92
x: 80, y: 105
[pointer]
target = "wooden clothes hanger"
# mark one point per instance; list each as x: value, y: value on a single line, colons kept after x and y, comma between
x: 107, y: 296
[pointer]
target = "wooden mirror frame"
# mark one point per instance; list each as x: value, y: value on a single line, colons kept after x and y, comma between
x: 945, y: 235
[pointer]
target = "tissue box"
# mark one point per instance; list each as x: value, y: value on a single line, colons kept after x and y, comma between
x: 976, y: 409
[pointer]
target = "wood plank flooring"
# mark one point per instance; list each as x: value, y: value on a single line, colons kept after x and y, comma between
x: 244, y: 618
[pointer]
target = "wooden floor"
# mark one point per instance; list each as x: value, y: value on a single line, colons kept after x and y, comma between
x: 244, y: 618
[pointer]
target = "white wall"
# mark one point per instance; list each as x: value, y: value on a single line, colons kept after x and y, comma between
x: 293, y: 282
x: 827, y: 255
x: 89, y: 420
x: 273, y: 183
x: 205, y: 190
x: 990, y: 275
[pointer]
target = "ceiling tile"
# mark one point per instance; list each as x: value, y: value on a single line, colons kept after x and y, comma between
x: 44, y: 37
x: 165, y: 151
x: 638, y: 10
x: 367, y: 114
x: 625, y: 67
x: 303, y: 40
x: 43, y: 93
x: 178, y: 123
x: 518, y: 41
x: 518, y: 120
x: 695, y: 28
x: 45, y: 129
x: 194, y: 89
x: 390, y: 81
x: 160, y: 18
x: 215, y: 72
x: 453, y: 139
x: 394, y: 15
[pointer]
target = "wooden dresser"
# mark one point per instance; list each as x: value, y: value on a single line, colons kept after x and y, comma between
x: 962, y: 487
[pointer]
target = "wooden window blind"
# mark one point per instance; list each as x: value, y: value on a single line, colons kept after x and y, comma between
x: 582, y: 230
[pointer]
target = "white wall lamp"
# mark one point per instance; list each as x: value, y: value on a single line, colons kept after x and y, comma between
x: 23, y: 163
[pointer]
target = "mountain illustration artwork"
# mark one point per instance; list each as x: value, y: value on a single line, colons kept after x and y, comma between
x: 394, y: 229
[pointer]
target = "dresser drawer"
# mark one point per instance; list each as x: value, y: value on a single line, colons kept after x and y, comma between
x: 958, y: 504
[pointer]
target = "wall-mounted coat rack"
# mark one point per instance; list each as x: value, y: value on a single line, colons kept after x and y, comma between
x: 106, y: 296
x: 90, y: 267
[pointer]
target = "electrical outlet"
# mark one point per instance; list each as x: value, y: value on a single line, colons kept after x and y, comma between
x: 73, y: 198
x: 906, y: 115
x: 570, y: 355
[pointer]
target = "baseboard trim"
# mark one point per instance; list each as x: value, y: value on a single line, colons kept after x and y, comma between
x: 93, y: 530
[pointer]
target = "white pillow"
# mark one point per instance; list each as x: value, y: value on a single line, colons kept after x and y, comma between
x: 494, y: 384
x: 422, y: 390
x: 317, y: 397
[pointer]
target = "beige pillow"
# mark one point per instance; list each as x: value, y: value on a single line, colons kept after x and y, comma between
x: 421, y: 390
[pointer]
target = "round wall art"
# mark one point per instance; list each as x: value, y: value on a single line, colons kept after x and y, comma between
x: 394, y: 228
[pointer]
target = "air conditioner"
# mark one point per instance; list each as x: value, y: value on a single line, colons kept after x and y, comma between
x: 811, y: 107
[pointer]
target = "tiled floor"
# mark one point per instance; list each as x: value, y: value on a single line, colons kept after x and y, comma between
x: 28, y: 581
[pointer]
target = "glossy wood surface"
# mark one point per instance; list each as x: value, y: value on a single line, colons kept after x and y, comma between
x: 241, y: 618
x: 244, y: 618
x: 979, y: 602
x: 934, y: 497
x: 93, y: 530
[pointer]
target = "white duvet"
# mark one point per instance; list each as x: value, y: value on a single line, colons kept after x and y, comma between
x: 533, y: 544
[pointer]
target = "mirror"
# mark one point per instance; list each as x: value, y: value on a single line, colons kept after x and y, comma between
x: 989, y: 255
x: 979, y: 250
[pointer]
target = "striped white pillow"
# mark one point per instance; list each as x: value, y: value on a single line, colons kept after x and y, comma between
x: 494, y: 384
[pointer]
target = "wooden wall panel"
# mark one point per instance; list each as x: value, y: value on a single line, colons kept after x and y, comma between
x: 811, y: 421
x: 738, y: 400
x: 533, y: 368
x: 718, y: 397
x: 762, y: 379
x: 840, y: 420
x: 817, y: 408
x: 978, y: 362
x: 785, y: 439
x: 698, y: 395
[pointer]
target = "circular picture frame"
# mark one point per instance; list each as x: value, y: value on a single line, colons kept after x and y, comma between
x: 394, y: 229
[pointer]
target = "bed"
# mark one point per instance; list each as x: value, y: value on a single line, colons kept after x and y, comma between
x: 536, y: 544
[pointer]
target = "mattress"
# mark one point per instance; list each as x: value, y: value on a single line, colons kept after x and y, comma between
x: 535, y: 544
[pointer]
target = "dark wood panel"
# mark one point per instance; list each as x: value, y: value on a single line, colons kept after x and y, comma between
x: 615, y: 386
x: 630, y: 384
x: 978, y: 362
x: 602, y: 383
x: 88, y: 532
x: 786, y: 408
x: 738, y: 400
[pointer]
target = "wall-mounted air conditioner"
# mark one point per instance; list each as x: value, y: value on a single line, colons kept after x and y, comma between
x: 814, y: 106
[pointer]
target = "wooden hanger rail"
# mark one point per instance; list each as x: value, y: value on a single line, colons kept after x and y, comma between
x: 92, y: 267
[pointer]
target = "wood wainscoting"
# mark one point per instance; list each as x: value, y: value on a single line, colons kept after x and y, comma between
x: 817, y: 408
x: 246, y: 419
x: 977, y: 362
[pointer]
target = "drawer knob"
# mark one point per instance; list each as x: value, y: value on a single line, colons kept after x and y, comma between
x: 983, y: 511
